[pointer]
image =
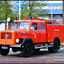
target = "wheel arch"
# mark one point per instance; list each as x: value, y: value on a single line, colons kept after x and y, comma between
x: 29, y: 40
x: 58, y: 40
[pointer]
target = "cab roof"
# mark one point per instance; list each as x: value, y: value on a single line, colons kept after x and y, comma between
x: 48, y: 21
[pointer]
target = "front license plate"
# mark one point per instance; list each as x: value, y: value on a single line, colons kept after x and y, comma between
x: 4, y: 47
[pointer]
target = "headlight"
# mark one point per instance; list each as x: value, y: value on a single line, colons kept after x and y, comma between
x: 17, y: 40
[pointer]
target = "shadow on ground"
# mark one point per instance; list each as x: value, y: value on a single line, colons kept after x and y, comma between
x: 33, y: 54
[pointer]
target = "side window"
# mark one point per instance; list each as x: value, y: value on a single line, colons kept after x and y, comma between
x: 41, y: 26
x: 34, y: 26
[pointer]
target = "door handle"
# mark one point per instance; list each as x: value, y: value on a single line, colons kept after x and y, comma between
x: 32, y: 33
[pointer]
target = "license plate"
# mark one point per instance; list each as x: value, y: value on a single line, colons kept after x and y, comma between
x: 4, y: 47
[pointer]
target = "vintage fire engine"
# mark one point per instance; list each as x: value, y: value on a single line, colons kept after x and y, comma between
x: 32, y: 35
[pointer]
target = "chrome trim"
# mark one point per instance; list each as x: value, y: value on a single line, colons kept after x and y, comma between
x: 62, y: 43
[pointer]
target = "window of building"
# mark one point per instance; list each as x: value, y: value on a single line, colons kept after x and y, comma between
x: 41, y: 26
x: 49, y: 7
x: 54, y: 8
x: 58, y: 7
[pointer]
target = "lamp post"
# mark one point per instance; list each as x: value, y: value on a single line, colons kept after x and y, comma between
x: 19, y: 10
x: 8, y: 19
x: 51, y: 11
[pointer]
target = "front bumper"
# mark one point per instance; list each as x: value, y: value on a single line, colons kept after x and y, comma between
x: 17, y: 45
x: 11, y: 46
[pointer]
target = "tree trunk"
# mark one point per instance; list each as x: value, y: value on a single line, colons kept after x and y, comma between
x: 29, y: 8
x: 5, y: 24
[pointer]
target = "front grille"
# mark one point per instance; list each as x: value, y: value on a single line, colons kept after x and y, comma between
x: 6, y: 35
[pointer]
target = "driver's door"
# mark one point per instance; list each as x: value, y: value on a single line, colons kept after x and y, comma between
x: 34, y: 33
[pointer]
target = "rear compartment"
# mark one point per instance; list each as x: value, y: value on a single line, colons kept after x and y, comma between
x: 55, y: 31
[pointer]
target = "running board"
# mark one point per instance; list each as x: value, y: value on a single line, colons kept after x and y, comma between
x: 42, y: 47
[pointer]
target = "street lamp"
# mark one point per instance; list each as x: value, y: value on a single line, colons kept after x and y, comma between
x: 51, y: 11
x: 19, y: 10
x: 8, y: 19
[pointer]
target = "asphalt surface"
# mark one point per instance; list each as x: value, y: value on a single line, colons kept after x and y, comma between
x: 43, y: 56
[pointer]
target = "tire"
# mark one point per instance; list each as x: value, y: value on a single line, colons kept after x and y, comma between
x: 26, y: 51
x: 4, y: 52
x: 36, y: 50
x: 54, y: 49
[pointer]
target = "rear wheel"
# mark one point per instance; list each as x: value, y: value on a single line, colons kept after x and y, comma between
x: 54, y: 49
x: 26, y: 51
x: 4, y: 51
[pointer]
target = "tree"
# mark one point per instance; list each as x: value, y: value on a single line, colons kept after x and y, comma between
x: 12, y: 16
x: 6, y: 10
x: 34, y: 9
x: 1, y: 4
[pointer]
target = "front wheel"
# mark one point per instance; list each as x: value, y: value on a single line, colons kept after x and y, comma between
x: 4, y: 51
x: 26, y: 51
x: 54, y: 49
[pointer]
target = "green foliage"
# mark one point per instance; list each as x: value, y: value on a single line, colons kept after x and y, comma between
x: 5, y: 10
x: 1, y: 4
x: 34, y: 9
x: 12, y: 16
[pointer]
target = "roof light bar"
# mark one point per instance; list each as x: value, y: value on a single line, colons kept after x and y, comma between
x: 15, y: 18
x: 30, y: 18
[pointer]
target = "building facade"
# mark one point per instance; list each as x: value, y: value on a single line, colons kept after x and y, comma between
x: 54, y: 9
x: 16, y: 6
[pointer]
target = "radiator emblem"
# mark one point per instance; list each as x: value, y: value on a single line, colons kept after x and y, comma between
x: 6, y: 35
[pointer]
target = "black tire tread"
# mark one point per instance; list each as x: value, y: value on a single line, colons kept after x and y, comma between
x: 23, y: 50
x: 4, y: 52
x: 52, y: 49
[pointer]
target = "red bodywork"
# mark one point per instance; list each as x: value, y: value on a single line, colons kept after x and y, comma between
x: 50, y: 31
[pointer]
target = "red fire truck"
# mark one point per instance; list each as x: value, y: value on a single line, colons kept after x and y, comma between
x: 32, y: 35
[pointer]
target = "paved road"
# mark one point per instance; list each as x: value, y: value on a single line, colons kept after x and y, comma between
x: 43, y: 56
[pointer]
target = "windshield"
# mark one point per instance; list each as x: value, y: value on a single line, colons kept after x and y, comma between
x: 15, y: 25
x: 20, y: 25
x: 24, y: 25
